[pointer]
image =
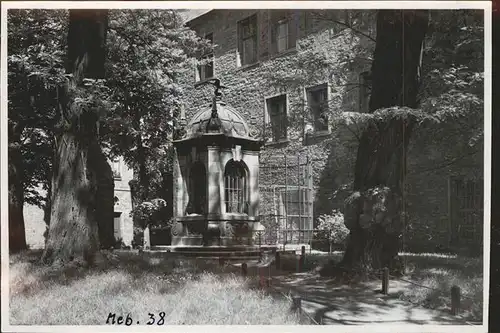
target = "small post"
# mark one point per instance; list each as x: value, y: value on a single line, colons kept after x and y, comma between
x: 385, y: 280
x: 302, y: 258
x: 296, y: 303
x: 147, y: 238
x: 265, y: 281
x: 330, y: 242
x: 244, y: 269
x: 277, y: 260
x: 262, y: 281
x: 221, y: 261
x: 455, y: 300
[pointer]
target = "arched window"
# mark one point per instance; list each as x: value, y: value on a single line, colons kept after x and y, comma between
x: 197, y: 189
x: 236, y: 187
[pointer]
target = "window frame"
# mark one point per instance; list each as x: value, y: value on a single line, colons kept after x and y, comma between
x: 309, y: 91
x: 238, y: 184
x: 117, y: 225
x: 299, y: 210
x: 201, y: 70
x: 248, y: 21
x: 278, y: 38
x: 282, y: 98
x: 276, y: 20
x: 117, y: 172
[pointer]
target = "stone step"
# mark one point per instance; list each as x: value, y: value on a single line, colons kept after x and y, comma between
x: 185, y: 249
x: 205, y: 254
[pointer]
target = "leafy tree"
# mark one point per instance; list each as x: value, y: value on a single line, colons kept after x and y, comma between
x: 148, y: 51
x: 441, y: 91
x: 373, y: 211
x: 35, y: 68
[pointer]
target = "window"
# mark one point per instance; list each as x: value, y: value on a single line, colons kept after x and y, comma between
x: 281, y: 36
x: 282, y: 33
x: 276, y: 108
x: 295, y: 204
x: 247, y: 45
x: 116, y: 169
x: 117, y: 228
x: 206, y: 71
x: 235, y: 184
x: 197, y: 189
x: 318, y: 104
x: 364, y: 91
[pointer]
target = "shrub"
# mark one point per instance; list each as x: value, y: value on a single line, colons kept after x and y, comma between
x: 334, y: 228
x: 138, y: 239
x: 119, y: 244
x: 152, y: 213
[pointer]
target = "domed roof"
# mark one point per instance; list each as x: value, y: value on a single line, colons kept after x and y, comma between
x: 232, y: 123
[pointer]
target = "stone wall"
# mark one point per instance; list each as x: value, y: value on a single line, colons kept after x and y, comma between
x: 248, y: 90
x: 34, y: 226
x: 333, y: 156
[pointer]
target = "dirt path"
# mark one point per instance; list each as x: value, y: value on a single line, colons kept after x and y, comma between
x: 330, y: 304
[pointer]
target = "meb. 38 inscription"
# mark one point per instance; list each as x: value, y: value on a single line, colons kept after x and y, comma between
x: 127, y: 320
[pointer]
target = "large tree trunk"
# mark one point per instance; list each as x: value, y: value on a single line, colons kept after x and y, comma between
x: 75, y: 208
x: 17, y: 234
x: 46, y: 210
x: 373, y: 212
x: 73, y: 231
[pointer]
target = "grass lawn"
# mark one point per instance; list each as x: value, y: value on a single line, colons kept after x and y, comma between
x: 181, y: 292
x: 441, y: 272
x: 436, y: 273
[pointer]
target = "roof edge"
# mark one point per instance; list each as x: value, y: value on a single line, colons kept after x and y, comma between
x: 188, y: 22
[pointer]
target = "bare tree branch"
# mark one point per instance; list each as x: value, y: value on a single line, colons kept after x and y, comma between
x: 352, y: 131
x: 322, y: 17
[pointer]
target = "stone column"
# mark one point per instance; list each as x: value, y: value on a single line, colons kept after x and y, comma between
x: 251, y: 159
x: 177, y: 180
x: 182, y: 195
x: 215, y: 178
x: 147, y: 238
x: 212, y: 235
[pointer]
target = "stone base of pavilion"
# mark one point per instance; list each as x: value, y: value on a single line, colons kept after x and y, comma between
x: 215, y: 252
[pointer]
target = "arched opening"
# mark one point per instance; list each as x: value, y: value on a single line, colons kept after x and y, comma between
x: 197, y: 189
x: 236, y: 187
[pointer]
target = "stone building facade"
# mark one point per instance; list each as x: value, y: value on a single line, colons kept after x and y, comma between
x: 254, y: 47
x: 122, y: 222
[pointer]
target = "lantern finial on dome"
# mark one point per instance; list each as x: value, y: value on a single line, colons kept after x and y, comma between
x: 214, y: 124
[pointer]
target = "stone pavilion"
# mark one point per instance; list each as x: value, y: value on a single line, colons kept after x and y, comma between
x: 216, y: 179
